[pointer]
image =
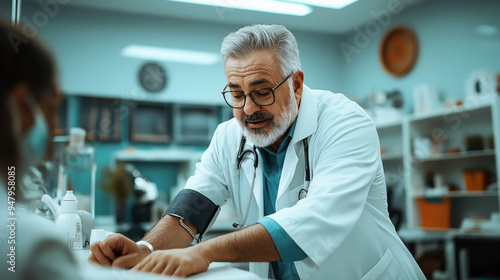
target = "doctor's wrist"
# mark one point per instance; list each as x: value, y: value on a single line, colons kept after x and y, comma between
x: 205, y: 250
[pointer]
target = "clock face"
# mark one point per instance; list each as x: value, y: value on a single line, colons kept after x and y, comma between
x: 398, y: 51
x: 152, y: 77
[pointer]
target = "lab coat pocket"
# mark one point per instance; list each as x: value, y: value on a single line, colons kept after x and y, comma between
x: 387, y: 268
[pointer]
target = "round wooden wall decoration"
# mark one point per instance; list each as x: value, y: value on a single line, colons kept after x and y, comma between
x: 398, y: 50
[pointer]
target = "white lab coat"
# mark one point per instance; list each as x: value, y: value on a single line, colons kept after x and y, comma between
x: 343, y: 224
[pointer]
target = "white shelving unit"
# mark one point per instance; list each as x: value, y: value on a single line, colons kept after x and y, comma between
x: 391, y: 148
x: 451, y: 129
x: 402, y: 166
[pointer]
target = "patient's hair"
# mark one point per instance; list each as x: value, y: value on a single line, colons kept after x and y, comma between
x: 23, y: 60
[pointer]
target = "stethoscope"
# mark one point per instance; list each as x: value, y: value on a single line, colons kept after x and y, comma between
x: 243, y: 154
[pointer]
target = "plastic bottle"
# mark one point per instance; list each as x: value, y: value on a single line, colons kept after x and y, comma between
x: 69, y: 221
x: 79, y: 169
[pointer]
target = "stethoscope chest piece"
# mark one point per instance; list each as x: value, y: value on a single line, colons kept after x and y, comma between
x: 302, y: 194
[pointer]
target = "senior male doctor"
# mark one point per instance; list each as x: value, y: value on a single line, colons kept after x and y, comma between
x: 303, y: 170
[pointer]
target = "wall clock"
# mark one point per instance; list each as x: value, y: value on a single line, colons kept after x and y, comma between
x: 398, y: 51
x: 152, y: 77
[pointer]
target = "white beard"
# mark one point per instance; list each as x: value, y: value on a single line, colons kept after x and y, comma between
x: 279, y: 125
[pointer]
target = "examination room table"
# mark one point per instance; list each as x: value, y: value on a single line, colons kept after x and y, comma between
x: 216, y: 271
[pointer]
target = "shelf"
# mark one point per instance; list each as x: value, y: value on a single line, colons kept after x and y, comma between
x: 386, y: 125
x: 422, y: 234
x: 392, y: 157
x: 462, y: 155
x: 441, y: 113
x: 159, y: 155
x: 419, y: 234
x: 466, y: 194
x: 474, y: 194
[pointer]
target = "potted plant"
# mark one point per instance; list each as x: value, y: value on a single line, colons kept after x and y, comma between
x: 117, y: 183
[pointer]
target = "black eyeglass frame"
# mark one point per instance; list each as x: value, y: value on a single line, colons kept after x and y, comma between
x: 251, y: 94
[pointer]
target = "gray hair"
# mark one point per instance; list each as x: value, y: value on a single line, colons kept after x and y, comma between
x: 258, y: 37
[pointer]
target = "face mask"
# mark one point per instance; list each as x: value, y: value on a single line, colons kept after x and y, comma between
x: 33, y: 144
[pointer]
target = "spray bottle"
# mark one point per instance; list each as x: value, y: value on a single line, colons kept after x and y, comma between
x: 69, y: 222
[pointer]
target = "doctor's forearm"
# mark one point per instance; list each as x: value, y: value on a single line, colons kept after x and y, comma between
x: 168, y: 234
x: 252, y: 244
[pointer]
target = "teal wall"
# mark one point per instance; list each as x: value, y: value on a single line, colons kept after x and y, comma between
x: 449, y: 49
x: 5, y: 10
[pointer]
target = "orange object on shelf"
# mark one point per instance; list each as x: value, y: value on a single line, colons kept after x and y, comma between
x: 434, y: 212
x: 476, y: 180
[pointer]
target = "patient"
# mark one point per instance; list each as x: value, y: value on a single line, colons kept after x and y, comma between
x: 29, y: 245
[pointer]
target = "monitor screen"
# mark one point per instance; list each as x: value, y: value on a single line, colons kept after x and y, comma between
x: 150, y: 123
x: 196, y: 124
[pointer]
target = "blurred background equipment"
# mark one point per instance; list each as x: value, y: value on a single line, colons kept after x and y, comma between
x: 481, y: 87
x: 120, y: 182
x: 426, y: 99
x: 385, y: 106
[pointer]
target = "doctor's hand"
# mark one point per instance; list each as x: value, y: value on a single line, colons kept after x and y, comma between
x: 175, y: 262
x: 117, y: 251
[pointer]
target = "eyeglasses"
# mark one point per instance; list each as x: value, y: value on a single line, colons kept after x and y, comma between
x: 261, y: 96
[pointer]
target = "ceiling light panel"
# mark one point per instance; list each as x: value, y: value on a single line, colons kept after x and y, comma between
x: 331, y: 4
x: 173, y: 55
x: 267, y: 6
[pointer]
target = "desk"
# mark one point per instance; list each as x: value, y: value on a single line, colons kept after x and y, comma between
x: 219, y: 271
x: 421, y: 236
x: 476, y: 256
x: 459, y: 248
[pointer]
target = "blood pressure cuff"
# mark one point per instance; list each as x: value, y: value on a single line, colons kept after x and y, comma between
x: 195, y: 208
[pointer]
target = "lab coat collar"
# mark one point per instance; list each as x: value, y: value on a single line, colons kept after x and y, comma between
x: 307, y: 119
x: 306, y: 125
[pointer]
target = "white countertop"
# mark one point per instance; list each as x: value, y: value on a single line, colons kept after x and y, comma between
x: 216, y: 271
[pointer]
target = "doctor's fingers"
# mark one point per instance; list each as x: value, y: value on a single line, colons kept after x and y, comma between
x: 126, y: 261
x: 158, y: 262
x: 149, y: 265
x: 180, y: 262
x: 142, y: 264
x: 183, y: 271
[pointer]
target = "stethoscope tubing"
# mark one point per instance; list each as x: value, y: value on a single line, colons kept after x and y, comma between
x: 242, y: 154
